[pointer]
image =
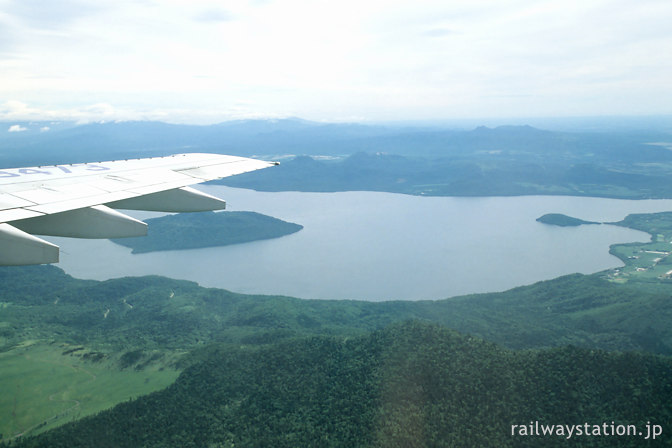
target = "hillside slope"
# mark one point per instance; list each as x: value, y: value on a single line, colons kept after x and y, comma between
x: 409, y: 385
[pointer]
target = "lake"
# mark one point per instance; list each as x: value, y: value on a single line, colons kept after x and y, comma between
x: 383, y: 246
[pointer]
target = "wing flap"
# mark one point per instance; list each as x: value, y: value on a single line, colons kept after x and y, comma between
x: 145, y: 177
x: 18, y: 213
x: 149, y: 189
x: 58, y: 194
x: 8, y: 201
x: 72, y: 204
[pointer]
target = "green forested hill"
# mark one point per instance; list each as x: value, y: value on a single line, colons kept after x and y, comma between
x: 159, y: 313
x: 409, y: 385
x: 584, y: 310
x: 487, y: 172
x: 558, y: 219
x: 207, y: 229
x: 69, y: 348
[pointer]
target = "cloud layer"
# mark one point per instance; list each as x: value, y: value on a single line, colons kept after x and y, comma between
x: 206, y: 61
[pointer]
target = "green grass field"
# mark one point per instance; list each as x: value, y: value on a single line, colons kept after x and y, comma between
x: 43, y: 388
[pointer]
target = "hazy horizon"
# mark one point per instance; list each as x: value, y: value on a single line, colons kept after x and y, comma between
x: 566, y: 123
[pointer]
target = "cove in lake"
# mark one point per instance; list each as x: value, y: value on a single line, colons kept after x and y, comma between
x: 383, y: 246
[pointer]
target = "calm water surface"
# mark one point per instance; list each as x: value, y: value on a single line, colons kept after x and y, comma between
x: 383, y: 246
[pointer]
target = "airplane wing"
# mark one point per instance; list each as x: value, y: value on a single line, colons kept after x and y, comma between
x: 79, y: 200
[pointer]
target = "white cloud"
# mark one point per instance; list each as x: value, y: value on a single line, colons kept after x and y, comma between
x: 105, y: 112
x: 17, y: 128
x: 214, y: 15
x: 320, y: 60
x: 49, y: 15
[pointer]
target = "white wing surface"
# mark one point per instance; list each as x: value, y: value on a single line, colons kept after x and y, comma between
x: 79, y: 200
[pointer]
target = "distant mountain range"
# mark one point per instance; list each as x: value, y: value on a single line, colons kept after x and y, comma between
x: 432, y: 160
x: 26, y: 143
x: 31, y: 143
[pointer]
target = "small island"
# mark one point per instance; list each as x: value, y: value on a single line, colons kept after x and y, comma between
x: 208, y: 229
x: 558, y: 219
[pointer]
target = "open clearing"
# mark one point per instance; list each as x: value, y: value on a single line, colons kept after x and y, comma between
x: 42, y: 387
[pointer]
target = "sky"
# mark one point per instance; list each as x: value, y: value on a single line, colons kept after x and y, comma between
x: 205, y: 61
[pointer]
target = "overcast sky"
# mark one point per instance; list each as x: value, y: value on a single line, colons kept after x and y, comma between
x: 366, y: 60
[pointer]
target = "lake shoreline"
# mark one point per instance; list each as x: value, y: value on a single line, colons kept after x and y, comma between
x: 350, y: 247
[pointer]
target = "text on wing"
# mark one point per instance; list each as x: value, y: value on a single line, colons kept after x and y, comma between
x: 57, y: 169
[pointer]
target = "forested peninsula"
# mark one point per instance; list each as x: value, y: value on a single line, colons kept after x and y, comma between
x: 558, y: 219
x: 207, y: 229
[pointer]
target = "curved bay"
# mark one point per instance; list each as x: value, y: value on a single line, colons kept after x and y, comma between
x: 385, y: 246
